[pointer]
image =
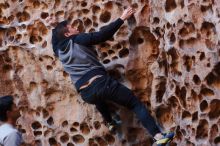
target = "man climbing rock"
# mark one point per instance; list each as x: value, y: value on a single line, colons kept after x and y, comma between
x: 77, y: 53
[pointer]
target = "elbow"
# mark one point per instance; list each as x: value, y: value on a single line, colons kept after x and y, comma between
x: 106, y: 38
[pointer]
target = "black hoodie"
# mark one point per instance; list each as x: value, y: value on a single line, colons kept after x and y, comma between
x: 78, y: 54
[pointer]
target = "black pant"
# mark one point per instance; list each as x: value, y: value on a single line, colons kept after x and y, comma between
x: 105, y: 89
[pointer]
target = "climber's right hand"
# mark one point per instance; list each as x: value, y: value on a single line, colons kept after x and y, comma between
x: 127, y: 13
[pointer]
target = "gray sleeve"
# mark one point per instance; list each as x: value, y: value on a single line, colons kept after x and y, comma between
x: 14, y: 139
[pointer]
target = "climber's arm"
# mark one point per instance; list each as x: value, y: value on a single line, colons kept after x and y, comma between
x: 105, y: 33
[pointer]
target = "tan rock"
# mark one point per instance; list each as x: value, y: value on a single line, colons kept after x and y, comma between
x: 168, y: 54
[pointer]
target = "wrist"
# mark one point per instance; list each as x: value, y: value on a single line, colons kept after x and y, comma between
x: 122, y: 18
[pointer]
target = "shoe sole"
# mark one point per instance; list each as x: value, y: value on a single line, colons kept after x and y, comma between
x: 167, y: 143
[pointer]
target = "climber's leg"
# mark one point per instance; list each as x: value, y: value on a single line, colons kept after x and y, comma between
x: 102, y: 107
x: 91, y: 94
x: 111, y: 89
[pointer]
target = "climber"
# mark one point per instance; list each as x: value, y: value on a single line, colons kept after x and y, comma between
x: 9, y: 113
x: 77, y: 53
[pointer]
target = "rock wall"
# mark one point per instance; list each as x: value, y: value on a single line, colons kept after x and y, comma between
x: 168, y: 54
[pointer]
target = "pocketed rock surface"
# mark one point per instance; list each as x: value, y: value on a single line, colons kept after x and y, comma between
x: 167, y: 53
